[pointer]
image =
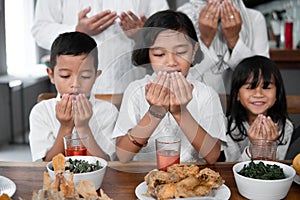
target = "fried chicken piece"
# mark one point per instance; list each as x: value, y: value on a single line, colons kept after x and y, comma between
x: 202, y: 190
x: 181, y: 181
x: 210, y: 178
x: 104, y: 196
x: 86, y: 189
x: 58, y: 163
x: 161, y: 177
x: 47, y: 181
x: 67, y: 186
x: 165, y: 191
x: 183, y: 170
x: 156, y: 177
x: 185, y: 186
x: 4, y: 197
x: 48, y: 194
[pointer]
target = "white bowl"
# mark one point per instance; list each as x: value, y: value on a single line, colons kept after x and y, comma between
x: 95, y: 177
x: 263, y: 189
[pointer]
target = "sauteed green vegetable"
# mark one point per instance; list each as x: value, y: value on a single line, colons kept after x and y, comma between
x: 262, y: 171
x: 81, y: 166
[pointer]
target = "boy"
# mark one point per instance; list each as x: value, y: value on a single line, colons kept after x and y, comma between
x: 73, y: 71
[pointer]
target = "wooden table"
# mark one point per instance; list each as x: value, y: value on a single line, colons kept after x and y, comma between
x: 119, y: 182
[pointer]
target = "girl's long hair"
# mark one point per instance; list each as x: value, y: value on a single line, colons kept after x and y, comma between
x: 261, y: 69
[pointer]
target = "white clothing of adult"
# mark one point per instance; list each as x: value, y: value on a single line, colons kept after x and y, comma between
x: 44, y: 126
x: 54, y: 17
x: 205, y: 108
x: 237, y: 151
x: 218, y: 63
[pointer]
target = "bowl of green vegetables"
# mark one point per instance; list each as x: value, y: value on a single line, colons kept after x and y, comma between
x: 261, y: 179
x: 89, y: 168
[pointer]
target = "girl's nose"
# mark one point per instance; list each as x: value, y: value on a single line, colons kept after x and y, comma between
x: 258, y: 91
x: 171, y: 60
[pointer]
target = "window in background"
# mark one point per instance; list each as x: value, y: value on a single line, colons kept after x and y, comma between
x: 20, y: 45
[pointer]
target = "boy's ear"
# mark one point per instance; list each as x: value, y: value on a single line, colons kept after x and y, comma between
x: 50, y: 74
x: 98, y: 73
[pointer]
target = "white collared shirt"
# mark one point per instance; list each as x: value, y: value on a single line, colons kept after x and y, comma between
x: 205, y: 108
x: 44, y: 126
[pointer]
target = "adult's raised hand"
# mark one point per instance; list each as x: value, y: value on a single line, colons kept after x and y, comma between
x: 95, y: 24
x: 131, y: 24
x: 231, y: 21
x: 208, y: 22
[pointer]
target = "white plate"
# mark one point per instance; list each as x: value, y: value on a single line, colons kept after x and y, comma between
x: 7, y: 186
x: 223, y: 193
x: 297, y: 179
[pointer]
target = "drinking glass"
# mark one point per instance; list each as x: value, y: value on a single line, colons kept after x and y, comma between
x: 167, y: 151
x: 263, y: 150
x: 76, y: 145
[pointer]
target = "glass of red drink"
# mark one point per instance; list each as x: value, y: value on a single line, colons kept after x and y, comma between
x: 167, y: 151
x: 76, y: 145
x: 263, y: 149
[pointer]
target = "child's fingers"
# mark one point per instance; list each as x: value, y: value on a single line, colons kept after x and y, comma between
x: 165, y: 87
x: 147, y: 87
x: 265, y: 132
x: 254, y: 131
x: 158, y: 83
x: 153, y: 84
x: 175, y: 87
x: 68, y: 109
x: 186, y: 87
x: 62, y: 105
x: 272, y: 129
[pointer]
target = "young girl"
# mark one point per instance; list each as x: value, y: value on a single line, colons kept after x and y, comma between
x: 257, y: 109
x: 188, y: 109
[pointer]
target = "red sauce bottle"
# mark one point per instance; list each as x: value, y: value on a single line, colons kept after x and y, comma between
x: 289, y: 33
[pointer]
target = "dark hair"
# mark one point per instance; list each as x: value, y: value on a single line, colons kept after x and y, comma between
x: 261, y: 68
x: 158, y: 22
x: 73, y: 43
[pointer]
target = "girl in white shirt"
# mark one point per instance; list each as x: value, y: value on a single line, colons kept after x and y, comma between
x: 167, y: 100
x: 257, y: 109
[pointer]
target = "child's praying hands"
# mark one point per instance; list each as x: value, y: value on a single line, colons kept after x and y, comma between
x: 181, y: 93
x: 263, y: 128
x: 63, y: 110
x: 82, y: 112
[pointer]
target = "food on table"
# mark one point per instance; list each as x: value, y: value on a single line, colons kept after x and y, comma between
x: 60, y: 188
x: 181, y: 181
x: 4, y: 197
x: 296, y: 163
x: 261, y: 171
x: 80, y: 166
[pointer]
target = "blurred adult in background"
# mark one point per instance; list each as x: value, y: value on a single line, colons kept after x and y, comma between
x: 111, y: 23
x: 228, y: 32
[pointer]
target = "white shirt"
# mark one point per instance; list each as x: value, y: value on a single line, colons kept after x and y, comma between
x: 236, y: 151
x: 205, y: 108
x: 208, y: 70
x: 54, y: 17
x: 44, y: 126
